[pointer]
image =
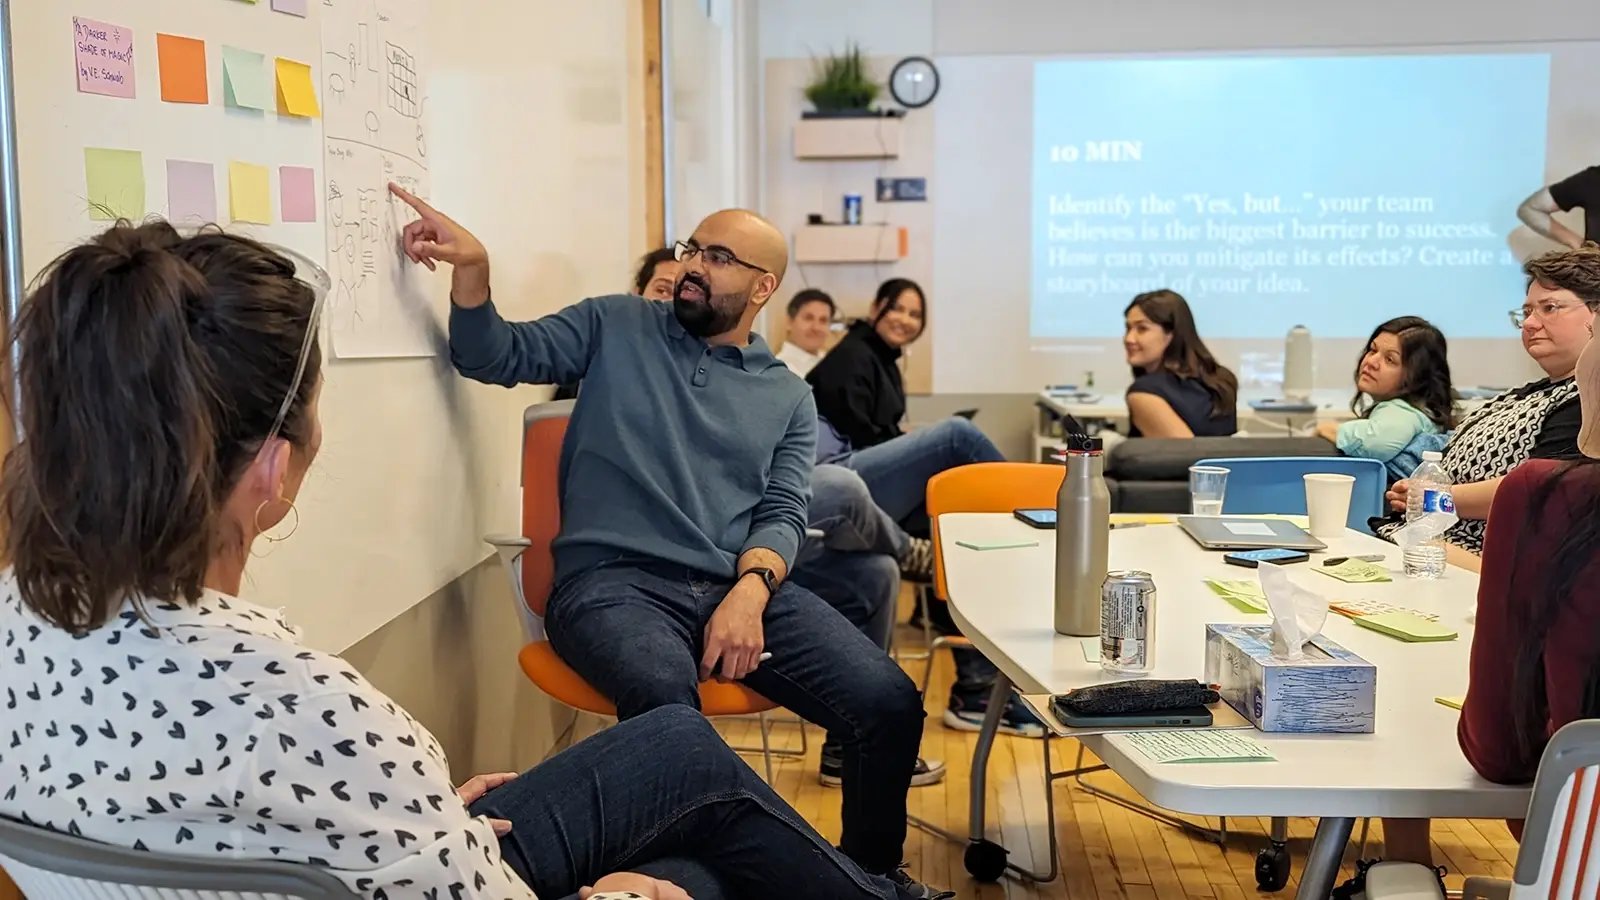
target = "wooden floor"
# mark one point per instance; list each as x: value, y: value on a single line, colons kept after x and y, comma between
x: 1107, y: 852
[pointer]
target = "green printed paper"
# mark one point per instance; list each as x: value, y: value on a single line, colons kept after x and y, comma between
x: 1201, y: 745
x: 1356, y: 571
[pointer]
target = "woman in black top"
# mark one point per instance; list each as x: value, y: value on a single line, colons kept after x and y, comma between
x: 861, y: 400
x: 1178, y: 388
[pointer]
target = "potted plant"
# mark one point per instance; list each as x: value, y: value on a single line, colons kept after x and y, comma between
x: 842, y: 86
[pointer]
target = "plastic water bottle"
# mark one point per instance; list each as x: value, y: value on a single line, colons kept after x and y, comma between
x: 1083, y: 537
x: 1430, y: 512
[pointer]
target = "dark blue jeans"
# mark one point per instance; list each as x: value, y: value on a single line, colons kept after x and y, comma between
x: 662, y: 794
x: 897, y: 471
x: 634, y: 630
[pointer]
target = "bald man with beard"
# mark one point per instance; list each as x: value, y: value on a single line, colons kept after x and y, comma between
x: 685, y: 476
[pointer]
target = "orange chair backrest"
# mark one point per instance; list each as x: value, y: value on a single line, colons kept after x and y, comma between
x: 544, y: 427
x: 988, y: 488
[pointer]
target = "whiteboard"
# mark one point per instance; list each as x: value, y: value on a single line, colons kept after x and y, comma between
x: 540, y: 152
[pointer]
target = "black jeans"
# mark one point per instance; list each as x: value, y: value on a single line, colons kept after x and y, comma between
x: 635, y: 632
x: 663, y: 795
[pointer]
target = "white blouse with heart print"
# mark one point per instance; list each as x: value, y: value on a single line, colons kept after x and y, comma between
x: 210, y: 731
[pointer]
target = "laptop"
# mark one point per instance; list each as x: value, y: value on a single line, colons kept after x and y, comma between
x: 1246, y: 533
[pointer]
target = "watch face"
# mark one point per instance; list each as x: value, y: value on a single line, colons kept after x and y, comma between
x: 914, y: 82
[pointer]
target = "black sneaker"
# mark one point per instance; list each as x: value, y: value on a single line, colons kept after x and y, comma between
x: 965, y: 713
x: 908, y: 888
x: 831, y: 774
x: 917, y: 564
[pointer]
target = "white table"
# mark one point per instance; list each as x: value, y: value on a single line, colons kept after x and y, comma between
x: 1410, y: 767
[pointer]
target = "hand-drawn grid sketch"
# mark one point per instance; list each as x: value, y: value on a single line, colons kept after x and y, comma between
x: 373, y: 124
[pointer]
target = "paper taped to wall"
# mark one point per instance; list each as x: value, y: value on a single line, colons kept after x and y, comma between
x: 374, y: 97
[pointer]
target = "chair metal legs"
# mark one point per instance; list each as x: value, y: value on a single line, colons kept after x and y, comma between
x: 767, y: 751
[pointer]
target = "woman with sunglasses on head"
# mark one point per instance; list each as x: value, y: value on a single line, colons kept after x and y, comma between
x: 168, y: 396
x: 1538, y: 420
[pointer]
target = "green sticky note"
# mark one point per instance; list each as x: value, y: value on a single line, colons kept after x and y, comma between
x: 116, y: 184
x: 1244, y: 594
x: 1406, y: 626
x: 1356, y: 571
x: 996, y: 545
x: 244, y: 79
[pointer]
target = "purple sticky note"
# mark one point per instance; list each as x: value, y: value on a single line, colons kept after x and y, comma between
x: 292, y: 7
x: 191, y: 193
x: 297, y: 186
x: 105, y: 57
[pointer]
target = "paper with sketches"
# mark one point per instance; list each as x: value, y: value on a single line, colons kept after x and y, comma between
x: 374, y: 94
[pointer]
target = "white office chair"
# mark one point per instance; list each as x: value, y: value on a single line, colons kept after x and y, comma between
x: 47, y: 865
x: 1560, y: 840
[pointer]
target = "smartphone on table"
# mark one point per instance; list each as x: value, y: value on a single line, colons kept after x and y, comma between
x: 1037, y: 518
x: 1251, y: 559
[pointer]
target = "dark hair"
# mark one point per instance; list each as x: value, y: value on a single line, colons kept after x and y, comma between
x: 811, y: 295
x: 647, y: 267
x: 152, y: 366
x: 889, y: 292
x: 1187, y: 356
x: 1425, y: 367
x: 1541, y: 594
x: 1577, y: 271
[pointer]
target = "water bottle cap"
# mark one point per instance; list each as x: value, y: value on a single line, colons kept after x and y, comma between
x: 1432, y: 455
x: 1082, y: 443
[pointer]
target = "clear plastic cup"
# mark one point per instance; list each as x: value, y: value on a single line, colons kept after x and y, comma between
x: 1208, y: 487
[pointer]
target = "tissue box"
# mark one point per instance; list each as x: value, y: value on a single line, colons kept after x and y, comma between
x: 1329, y: 690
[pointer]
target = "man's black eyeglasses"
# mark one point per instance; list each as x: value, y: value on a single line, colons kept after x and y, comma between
x: 715, y: 255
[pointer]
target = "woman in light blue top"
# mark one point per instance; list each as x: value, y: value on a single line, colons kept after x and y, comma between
x: 1402, y: 391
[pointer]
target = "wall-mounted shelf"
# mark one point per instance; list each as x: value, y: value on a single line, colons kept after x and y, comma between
x: 877, y: 137
x: 849, y: 243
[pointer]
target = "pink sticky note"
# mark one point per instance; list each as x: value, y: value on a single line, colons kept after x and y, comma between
x: 191, y: 193
x: 292, y: 7
x: 297, y: 186
x: 105, y: 57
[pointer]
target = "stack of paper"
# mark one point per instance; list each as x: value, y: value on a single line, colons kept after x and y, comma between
x: 1242, y: 593
x: 1200, y: 745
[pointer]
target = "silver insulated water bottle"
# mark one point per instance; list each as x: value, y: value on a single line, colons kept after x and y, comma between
x: 1083, y: 536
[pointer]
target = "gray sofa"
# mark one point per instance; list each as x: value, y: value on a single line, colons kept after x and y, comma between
x: 1151, y: 475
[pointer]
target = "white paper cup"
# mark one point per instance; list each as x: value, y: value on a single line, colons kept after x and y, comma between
x: 1328, y: 503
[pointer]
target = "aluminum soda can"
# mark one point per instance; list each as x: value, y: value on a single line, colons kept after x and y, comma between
x: 1128, y: 623
x: 852, y: 209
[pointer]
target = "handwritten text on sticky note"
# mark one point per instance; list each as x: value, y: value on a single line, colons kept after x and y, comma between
x: 105, y: 57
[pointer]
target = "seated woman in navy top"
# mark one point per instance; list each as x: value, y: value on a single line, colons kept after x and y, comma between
x: 1178, y: 388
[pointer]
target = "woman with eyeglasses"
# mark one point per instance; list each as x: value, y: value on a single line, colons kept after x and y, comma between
x: 168, y: 393
x: 1539, y: 420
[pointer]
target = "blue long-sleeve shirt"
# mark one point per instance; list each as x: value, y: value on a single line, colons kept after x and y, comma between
x: 677, y: 451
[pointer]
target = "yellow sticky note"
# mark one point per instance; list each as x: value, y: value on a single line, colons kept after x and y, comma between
x: 249, y: 197
x: 297, y: 95
x: 116, y: 183
x: 1452, y: 702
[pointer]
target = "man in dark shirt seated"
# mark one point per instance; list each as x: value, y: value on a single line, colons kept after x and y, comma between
x: 658, y: 272
x: 684, y: 480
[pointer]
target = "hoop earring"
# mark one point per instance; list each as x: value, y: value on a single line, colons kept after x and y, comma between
x: 262, y: 532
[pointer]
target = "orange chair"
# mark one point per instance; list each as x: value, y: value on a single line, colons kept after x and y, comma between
x: 982, y: 488
x: 528, y: 562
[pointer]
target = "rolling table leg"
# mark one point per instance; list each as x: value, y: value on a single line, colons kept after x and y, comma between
x: 978, y: 785
x: 1322, y: 860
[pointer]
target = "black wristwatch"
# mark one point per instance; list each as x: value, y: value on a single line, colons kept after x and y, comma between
x: 768, y: 578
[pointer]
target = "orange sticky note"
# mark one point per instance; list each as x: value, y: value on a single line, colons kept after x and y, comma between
x: 297, y: 95
x: 183, y: 68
